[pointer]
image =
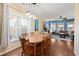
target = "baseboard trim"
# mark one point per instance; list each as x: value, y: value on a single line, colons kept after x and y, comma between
x: 9, y: 50
x: 75, y: 53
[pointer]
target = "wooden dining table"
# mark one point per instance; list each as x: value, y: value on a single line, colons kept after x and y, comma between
x: 34, y: 39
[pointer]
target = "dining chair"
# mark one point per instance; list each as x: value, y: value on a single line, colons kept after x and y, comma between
x: 45, y: 45
x: 24, y: 34
x: 26, y: 47
x: 48, y: 38
x: 39, y: 49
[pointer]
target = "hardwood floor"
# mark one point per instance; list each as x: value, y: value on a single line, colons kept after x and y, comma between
x: 56, y: 48
x: 61, y: 48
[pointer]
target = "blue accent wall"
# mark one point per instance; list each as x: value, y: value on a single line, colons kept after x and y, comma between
x: 65, y: 22
x: 65, y: 25
x: 56, y: 26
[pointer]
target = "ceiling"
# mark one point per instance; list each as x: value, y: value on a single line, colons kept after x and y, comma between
x: 53, y: 10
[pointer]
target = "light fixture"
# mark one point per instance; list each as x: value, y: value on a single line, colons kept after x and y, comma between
x: 34, y: 3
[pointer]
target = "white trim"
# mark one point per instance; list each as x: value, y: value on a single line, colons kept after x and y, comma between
x: 9, y: 50
x: 75, y: 53
x: 14, y: 40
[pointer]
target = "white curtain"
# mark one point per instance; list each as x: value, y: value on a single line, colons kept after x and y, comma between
x: 5, y: 29
x: 0, y: 21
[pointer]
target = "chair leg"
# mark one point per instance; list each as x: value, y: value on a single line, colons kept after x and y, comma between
x: 22, y: 54
x: 42, y: 49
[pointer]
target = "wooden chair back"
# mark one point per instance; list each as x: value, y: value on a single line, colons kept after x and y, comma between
x: 27, y: 49
x: 45, y: 40
x: 24, y: 34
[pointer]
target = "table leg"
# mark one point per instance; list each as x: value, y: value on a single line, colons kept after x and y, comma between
x: 34, y: 49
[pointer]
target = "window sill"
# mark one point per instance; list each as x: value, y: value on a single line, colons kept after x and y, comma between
x: 13, y: 40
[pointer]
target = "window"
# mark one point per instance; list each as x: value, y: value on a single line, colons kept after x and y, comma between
x: 17, y: 26
x: 13, y: 26
x: 23, y: 25
x: 61, y: 27
x: 53, y: 27
x: 70, y: 26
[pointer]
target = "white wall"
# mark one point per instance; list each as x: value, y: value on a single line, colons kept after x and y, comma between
x: 76, y: 39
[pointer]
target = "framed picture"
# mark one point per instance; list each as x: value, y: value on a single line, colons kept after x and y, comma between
x: 36, y: 24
